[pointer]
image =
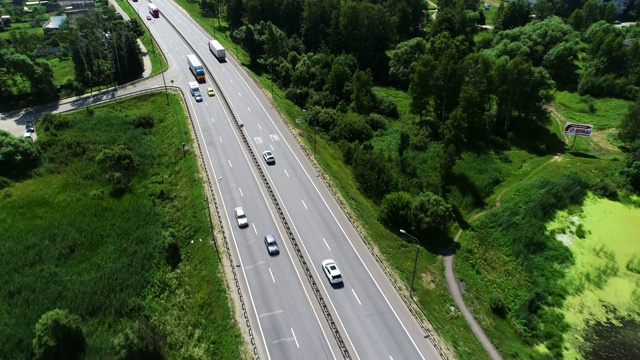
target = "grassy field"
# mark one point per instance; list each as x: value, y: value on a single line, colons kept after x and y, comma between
x: 114, y: 260
x: 62, y: 69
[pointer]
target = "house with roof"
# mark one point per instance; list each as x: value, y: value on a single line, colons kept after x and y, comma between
x: 54, y: 23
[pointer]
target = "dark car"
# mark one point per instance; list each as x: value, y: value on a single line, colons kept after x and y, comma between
x: 29, y: 127
x: 271, y: 244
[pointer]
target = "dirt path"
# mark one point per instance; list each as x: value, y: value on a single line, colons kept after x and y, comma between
x: 453, y: 284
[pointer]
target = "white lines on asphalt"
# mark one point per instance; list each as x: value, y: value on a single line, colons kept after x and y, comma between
x: 271, y: 313
x: 241, y: 194
x: 260, y: 126
x: 206, y: 104
x: 294, y: 338
x: 252, y: 240
x: 213, y: 120
x: 220, y: 137
x: 286, y: 173
x: 254, y: 228
x: 305, y: 205
x: 248, y: 108
x: 326, y: 243
x: 354, y: 294
x: 254, y: 265
x: 272, y: 278
x: 230, y: 163
x: 239, y: 94
x: 281, y: 340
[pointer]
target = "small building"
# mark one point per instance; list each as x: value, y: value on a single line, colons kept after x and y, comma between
x: 54, y: 23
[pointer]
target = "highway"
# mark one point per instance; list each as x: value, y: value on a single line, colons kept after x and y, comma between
x: 285, y: 321
x: 374, y: 321
x: 285, y: 315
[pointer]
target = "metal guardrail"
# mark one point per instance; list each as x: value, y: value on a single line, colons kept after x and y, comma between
x: 272, y: 195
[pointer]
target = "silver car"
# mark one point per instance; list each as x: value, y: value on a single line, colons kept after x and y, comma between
x: 271, y: 244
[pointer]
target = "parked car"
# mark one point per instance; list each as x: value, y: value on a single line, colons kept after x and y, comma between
x: 332, y: 272
x: 268, y: 157
x: 29, y: 127
x: 241, y: 217
x: 271, y: 244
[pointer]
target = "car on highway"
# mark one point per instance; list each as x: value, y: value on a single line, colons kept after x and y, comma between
x: 148, y: 17
x: 210, y: 91
x: 271, y: 244
x: 29, y: 127
x: 332, y: 272
x: 268, y: 157
x: 198, y: 96
x: 241, y: 217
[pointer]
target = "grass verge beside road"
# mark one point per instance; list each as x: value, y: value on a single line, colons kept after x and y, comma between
x: 139, y: 260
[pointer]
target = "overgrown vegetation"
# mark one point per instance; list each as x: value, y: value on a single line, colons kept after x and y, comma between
x: 509, y: 248
x: 136, y: 267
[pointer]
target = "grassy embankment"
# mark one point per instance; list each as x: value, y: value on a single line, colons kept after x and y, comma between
x: 69, y: 243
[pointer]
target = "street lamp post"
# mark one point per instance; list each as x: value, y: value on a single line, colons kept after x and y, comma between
x: 415, y: 263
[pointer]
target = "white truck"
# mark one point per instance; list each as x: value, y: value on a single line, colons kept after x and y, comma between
x: 196, y: 68
x: 195, y: 90
x: 217, y: 50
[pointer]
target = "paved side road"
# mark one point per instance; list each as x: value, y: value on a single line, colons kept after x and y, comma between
x: 14, y: 122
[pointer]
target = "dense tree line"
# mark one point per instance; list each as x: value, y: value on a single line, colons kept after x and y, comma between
x: 102, y: 46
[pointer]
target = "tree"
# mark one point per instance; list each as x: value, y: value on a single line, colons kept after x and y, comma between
x: 630, y: 125
x: 521, y: 89
x: 351, y: 127
x: 235, y: 13
x: 120, y: 166
x: 513, y: 14
x: 363, y: 98
x: 17, y: 155
x: 395, y: 210
x: 316, y: 21
x: 366, y: 31
x: 431, y: 212
x: 372, y: 172
x: 402, y: 58
x: 339, y: 81
x: 58, y: 335
x: 138, y: 341
x: 421, y: 85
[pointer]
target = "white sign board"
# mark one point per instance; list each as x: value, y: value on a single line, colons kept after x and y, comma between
x: 577, y: 129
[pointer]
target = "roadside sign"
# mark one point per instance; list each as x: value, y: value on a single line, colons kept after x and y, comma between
x: 577, y: 129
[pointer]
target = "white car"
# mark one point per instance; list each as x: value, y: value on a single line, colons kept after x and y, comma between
x: 268, y: 157
x: 331, y: 270
x: 241, y: 217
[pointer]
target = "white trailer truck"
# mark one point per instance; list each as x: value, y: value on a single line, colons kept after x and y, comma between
x: 217, y: 50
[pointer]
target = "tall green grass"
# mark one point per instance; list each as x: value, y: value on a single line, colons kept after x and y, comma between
x: 68, y: 243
